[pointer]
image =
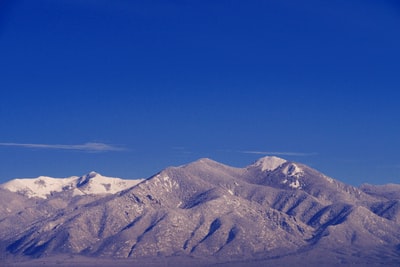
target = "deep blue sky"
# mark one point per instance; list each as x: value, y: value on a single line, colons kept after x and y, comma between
x: 161, y: 83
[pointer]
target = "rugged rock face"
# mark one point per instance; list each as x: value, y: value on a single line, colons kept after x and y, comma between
x: 268, y: 210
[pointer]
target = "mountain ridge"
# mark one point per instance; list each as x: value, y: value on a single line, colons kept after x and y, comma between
x: 213, y: 213
x: 91, y: 183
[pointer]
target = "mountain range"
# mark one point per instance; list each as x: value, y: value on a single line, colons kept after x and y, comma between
x: 273, y: 212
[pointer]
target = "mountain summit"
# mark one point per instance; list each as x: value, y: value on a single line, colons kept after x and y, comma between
x: 269, y: 163
x: 274, y: 211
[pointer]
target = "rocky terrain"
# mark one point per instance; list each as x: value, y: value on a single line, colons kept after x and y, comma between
x: 201, y: 214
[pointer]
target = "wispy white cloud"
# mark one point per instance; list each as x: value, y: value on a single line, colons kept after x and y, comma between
x: 87, y: 147
x: 279, y: 153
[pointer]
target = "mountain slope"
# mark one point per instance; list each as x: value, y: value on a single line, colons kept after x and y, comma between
x: 272, y: 209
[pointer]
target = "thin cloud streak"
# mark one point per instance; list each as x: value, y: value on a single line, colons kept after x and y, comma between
x: 300, y: 154
x: 87, y: 147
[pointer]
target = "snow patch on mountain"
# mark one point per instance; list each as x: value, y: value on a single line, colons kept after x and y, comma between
x: 295, y: 184
x: 167, y: 183
x: 269, y: 163
x: 92, y: 183
x: 293, y: 170
x: 292, y: 174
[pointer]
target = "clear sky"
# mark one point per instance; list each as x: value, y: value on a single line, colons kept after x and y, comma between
x: 127, y: 88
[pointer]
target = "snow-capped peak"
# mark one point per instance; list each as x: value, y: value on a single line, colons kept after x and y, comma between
x: 85, y: 179
x: 39, y: 187
x: 92, y: 183
x: 95, y: 183
x: 269, y: 163
x: 92, y: 174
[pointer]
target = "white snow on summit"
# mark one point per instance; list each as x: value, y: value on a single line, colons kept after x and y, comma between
x: 39, y: 187
x: 92, y: 183
x: 269, y: 163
